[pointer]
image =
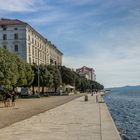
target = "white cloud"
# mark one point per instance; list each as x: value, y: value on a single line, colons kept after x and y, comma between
x: 20, y: 5
x: 49, y: 18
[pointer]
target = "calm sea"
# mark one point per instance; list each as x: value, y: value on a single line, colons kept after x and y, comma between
x: 125, y: 110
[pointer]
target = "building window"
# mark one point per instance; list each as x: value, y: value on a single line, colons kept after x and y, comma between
x: 29, y: 60
x: 33, y: 51
x: 51, y: 61
x: 5, y: 47
x: 4, y: 37
x: 16, y: 48
x: 55, y: 63
x: 29, y: 49
x: 16, y: 28
x: 15, y: 36
x: 33, y: 61
x: 32, y: 40
x: 4, y: 29
x: 28, y: 37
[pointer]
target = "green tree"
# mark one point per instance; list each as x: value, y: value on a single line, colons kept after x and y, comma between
x: 68, y: 76
x: 13, y: 71
x: 96, y: 86
x: 57, y: 80
x: 26, y: 74
x: 8, y: 69
x: 46, y: 78
x: 29, y: 74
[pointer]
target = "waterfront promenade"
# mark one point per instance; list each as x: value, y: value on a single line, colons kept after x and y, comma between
x: 26, y: 108
x: 75, y: 120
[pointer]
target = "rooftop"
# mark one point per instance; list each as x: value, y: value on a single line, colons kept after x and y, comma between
x: 85, y: 68
x: 4, y: 21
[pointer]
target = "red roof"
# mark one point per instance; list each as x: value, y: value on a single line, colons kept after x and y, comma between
x: 4, y: 21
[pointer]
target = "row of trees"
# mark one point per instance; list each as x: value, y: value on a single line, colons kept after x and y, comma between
x: 14, y: 72
x: 79, y: 82
x: 56, y: 76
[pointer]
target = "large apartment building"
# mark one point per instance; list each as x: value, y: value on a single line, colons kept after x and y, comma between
x: 89, y: 73
x: 21, y: 38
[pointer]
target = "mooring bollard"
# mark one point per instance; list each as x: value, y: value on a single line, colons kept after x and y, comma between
x: 86, y: 98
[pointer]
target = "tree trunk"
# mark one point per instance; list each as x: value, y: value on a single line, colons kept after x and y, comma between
x: 55, y: 89
x: 42, y: 89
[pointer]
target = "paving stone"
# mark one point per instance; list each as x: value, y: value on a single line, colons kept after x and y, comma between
x: 76, y: 120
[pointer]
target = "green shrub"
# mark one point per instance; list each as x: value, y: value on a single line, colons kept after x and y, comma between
x: 1, y: 97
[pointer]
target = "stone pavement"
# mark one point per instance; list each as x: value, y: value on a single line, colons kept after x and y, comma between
x: 76, y: 120
x: 26, y: 108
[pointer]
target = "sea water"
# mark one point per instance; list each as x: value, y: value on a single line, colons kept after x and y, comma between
x: 125, y: 110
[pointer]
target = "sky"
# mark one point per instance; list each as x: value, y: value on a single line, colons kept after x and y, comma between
x: 101, y: 34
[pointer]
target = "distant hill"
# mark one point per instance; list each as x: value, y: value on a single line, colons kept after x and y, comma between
x: 126, y: 89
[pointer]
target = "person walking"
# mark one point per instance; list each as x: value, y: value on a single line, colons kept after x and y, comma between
x: 7, y: 99
x: 13, y: 98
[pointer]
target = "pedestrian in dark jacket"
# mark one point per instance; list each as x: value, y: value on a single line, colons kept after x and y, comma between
x: 13, y: 97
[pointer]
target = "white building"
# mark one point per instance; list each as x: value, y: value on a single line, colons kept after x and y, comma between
x: 21, y: 38
x: 89, y: 73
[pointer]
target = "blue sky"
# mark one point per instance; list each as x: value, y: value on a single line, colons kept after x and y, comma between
x: 103, y: 34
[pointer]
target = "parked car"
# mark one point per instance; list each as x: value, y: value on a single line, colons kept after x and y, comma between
x: 25, y: 91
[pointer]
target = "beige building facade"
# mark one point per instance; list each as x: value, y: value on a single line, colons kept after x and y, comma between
x: 89, y: 73
x: 27, y: 43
